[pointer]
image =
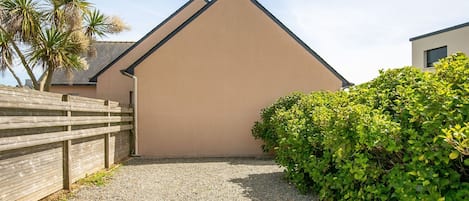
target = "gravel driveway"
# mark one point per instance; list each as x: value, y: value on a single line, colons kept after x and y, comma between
x: 195, y: 179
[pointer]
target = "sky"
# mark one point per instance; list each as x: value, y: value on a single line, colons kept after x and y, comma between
x: 357, y: 38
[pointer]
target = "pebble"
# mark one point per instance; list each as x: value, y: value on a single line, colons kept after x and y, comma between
x: 219, y: 179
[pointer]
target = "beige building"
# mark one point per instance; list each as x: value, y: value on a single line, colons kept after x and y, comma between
x: 199, y: 79
x: 429, y: 48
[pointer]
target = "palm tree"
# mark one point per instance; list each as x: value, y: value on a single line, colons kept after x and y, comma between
x: 55, y: 50
x: 56, y: 34
x: 6, y: 58
x: 97, y: 25
x: 20, y: 19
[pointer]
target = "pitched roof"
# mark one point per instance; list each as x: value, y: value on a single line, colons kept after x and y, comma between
x: 131, y: 68
x: 440, y: 31
x: 155, y: 30
x: 106, y: 51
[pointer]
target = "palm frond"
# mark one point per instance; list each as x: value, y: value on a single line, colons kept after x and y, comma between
x: 98, y: 25
x: 95, y: 24
x: 57, y: 49
x: 71, y: 12
x: 21, y: 17
x: 6, y: 58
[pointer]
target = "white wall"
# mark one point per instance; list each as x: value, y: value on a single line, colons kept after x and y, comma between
x: 455, y: 40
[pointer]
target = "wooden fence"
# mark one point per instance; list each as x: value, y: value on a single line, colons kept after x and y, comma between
x: 48, y: 141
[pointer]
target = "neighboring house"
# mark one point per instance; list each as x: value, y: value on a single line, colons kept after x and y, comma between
x: 201, y: 78
x: 79, y: 82
x: 429, y: 48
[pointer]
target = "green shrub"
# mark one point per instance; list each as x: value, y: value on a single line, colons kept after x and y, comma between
x: 401, y: 136
x: 264, y: 129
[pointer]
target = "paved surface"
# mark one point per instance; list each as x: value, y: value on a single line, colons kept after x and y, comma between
x: 195, y: 179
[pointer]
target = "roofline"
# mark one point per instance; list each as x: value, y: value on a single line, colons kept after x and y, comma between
x: 95, y: 77
x: 345, y: 82
x: 131, y: 68
x: 440, y: 31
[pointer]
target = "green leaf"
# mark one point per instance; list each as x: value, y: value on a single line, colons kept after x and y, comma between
x: 453, y: 155
x: 466, y: 162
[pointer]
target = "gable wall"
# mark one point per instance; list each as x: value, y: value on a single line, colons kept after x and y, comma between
x: 115, y: 86
x: 200, y: 93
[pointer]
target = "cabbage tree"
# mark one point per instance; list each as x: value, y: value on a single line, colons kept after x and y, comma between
x: 52, y: 34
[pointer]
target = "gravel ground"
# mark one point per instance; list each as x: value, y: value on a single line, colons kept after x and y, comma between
x: 195, y: 179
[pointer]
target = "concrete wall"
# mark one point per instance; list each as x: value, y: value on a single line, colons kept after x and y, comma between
x: 84, y: 91
x: 201, y: 92
x: 112, y: 84
x: 455, y: 40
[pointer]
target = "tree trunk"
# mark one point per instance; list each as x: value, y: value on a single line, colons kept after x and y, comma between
x: 23, y: 61
x: 48, y: 80
x: 25, y: 65
x: 20, y: 84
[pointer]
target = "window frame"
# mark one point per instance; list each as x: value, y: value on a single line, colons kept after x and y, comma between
x: 426, y: 52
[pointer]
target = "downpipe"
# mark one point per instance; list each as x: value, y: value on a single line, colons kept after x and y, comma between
x: 135, y: 105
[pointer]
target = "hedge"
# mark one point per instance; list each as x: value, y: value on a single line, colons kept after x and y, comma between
x: 401, y: 136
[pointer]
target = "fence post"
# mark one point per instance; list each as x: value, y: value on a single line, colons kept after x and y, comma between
x: 107, y: 138
x: 67, y: 146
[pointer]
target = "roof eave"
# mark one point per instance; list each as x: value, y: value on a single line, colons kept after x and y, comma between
x: 131, y: 68
x: 345, y: 82
x: 95, y: 77
x: 440, y: 31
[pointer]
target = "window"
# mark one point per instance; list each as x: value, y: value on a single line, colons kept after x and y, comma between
x: 434, y: 55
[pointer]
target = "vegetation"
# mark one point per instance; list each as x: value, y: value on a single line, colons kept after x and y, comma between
x: 99, y: 178
x: 401, y: 136
x: 266, y: 130
x: 52, y: 34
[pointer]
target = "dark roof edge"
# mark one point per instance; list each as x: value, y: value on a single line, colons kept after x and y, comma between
x: 440, y: 31
x: 95, y: 77
x: 345, y: 83
x: 131, y: 68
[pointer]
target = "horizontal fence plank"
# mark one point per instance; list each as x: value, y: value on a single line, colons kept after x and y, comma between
x: 19, y: 122
x: 17, y: 142
x: 41, y: 105
x: 28, y: 92
x: 79, y: 99
x: 37, y: 128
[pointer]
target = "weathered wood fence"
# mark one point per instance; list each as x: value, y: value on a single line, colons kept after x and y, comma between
x: 48, y: 141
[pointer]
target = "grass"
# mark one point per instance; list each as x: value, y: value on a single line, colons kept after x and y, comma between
x: 100, y: 178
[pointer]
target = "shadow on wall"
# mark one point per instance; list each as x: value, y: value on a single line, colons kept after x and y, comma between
x: 270, y: 186
x: 232, y: 161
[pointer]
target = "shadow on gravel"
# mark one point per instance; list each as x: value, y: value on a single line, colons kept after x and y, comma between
x: 270, y: 186
x: 232, y: 161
